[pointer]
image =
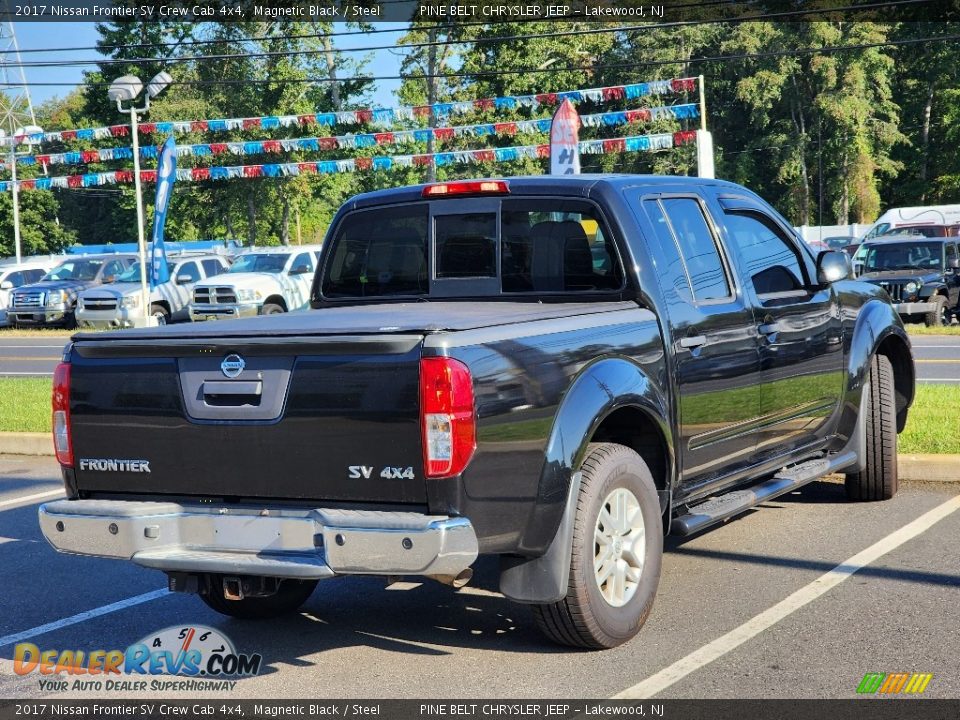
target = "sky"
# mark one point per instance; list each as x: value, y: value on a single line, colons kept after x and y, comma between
x: 50, y: 35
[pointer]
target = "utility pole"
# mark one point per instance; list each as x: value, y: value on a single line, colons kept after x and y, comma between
x: 431, y: 99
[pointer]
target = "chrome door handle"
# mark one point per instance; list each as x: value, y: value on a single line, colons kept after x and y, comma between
x: 693, y: 341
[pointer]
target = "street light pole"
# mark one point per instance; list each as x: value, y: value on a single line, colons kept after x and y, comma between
x: 126, y: 89
x: 141, y: 238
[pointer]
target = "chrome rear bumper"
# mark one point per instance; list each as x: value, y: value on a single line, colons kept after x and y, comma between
x: 272, y: 542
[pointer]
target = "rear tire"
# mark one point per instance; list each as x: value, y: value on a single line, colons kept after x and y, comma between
x: 289, y: 597
x: 602, y: 613
x: 878, y: 480
x: 272, y: 309
x: 937, y: 316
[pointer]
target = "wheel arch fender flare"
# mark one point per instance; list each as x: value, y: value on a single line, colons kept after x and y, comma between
x: 931, y: 289
x: 602, y: 388
x: 276, y: 299
x: 878, y: 329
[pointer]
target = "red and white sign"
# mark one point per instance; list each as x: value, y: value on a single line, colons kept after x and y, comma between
x: 564, y: 136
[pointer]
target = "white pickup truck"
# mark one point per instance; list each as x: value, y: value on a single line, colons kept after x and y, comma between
x: 262, y: 281
x: 117, y: 305
x: 14, y: 275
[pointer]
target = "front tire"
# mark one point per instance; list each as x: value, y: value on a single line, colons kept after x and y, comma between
x: 878, y: 480
x: 160, y: 313
x: 616, y: 554
x: 290, y: 595
x: 272, y: 309
x: 937, y: 316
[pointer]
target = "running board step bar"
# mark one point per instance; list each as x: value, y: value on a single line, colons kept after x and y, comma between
x: 723, y: 507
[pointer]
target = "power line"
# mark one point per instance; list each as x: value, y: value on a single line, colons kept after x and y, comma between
x: 480, y: 74
x: 373, y: 31
x: 435, y: 43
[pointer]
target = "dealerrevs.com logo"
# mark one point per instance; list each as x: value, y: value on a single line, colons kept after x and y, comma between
x: 203, y: 655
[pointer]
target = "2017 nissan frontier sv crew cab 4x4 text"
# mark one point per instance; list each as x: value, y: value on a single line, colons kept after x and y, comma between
x: 556, y: 371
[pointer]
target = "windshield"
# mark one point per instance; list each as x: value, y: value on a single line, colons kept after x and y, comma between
x: 75, y: 270
x: 132, y: 273
x: 272, y: 263
x: 903, y: 256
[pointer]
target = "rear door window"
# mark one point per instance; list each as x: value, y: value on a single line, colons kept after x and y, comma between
x: 698, y: 248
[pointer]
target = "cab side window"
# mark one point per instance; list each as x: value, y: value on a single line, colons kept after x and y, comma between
x: 951, y: 254
x: 698, y: 249
x: 188, y: 272
x: 16, y: 278
x: 111, y: 270
x: 212, y: 267
x: 302, y: 263
x: 771, y: 261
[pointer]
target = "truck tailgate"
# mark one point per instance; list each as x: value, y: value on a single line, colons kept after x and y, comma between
x: 300, y: 418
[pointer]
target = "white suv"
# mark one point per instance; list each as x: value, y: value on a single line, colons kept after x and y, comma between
x: 117, y: 305
x: 262, y: 281
x: 26, y: 272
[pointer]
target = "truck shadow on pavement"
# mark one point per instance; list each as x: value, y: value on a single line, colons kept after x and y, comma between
x: 424, y: 618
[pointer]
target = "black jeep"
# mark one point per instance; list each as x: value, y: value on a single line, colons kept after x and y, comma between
x: 920, y: 274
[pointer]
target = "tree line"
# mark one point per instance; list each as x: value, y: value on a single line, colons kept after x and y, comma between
x: 828, y: 135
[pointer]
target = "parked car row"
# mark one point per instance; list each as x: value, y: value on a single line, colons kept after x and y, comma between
x: 104, y: 290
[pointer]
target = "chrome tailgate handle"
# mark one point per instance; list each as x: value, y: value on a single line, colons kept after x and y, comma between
x: 236, y: 387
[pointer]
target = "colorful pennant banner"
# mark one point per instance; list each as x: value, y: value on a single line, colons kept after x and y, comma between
x: 363, y: 140
x: 383, y: 116
x: 636, y: 143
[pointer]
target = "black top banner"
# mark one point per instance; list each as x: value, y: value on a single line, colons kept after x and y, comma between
x: 864, y: 709
x: 620, y: 12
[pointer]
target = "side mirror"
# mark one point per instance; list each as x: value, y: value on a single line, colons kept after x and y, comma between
x: 109, y: 278
x: 832, y: 266
x: 953, y: 263
x: 301, y: 270
x: 183, y: 279
x: 6, y: 285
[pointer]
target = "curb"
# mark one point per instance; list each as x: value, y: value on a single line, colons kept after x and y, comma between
x: 929, y: 468
x: 26, y: 443
x: 925, y: 468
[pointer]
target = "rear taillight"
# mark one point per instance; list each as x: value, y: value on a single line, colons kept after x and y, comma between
x: 447, y: 416
x: 62, y: 442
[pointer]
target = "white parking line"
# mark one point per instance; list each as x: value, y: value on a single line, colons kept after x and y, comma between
x: 28, y: 373
x: 938, y: 380
x: 80, y: 617
x: 27, y: 499
x: 768, y: 618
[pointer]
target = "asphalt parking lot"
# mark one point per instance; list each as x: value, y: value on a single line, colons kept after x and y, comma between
x: 743, y: 611
x: 937, y: 356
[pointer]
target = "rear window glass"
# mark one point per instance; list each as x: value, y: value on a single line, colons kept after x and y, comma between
x: 530, y: 246
x: 379, y: 252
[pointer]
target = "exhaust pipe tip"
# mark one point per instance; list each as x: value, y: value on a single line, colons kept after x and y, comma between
x: 457, y: 581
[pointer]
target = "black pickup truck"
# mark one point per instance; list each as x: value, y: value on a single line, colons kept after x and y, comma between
x: 556, y: 371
